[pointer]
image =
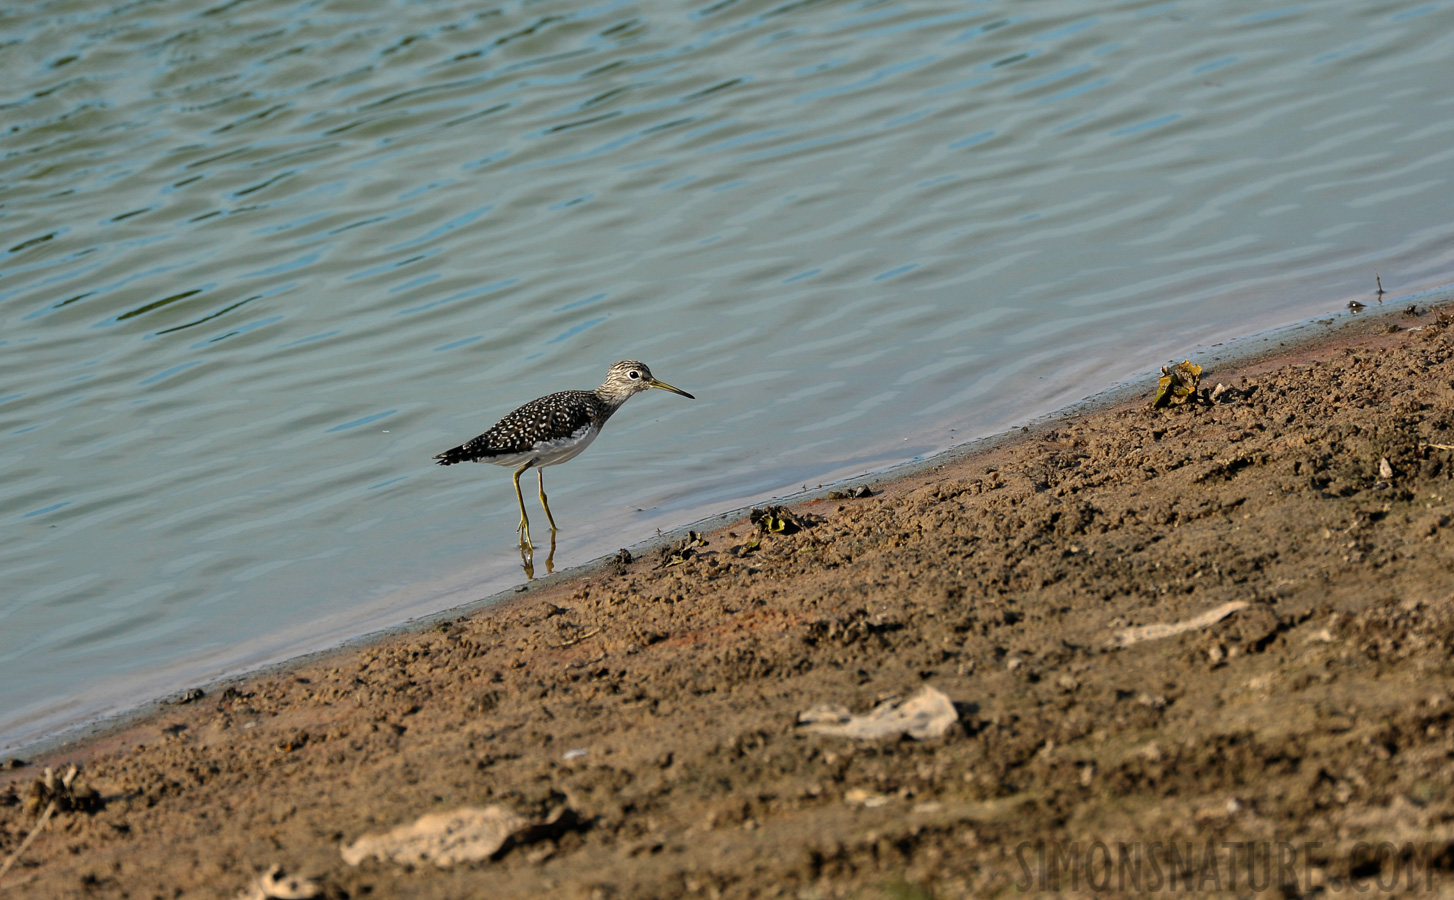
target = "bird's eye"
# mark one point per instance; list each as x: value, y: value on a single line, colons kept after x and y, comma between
x: 635, y: 374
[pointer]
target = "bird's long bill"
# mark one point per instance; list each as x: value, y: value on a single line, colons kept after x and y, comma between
x: 666, y: 387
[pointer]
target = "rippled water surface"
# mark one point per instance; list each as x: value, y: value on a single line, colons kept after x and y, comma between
x: 261, y: 260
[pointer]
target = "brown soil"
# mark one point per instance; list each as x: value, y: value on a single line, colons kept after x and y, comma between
x: 1314, y: 722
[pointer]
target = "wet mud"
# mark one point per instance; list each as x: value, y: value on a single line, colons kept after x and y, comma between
x: 1222, y: 629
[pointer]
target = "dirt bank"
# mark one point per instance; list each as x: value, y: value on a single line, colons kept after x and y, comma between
x: 652, y: 708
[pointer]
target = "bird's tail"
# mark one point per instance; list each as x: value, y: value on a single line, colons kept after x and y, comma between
x: 454, y: 455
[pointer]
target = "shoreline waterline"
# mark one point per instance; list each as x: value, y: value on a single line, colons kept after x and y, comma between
x: 1249, y: 351
x: 1137, y: 621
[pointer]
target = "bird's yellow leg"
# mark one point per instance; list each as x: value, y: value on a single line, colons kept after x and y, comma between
x: 524, y: 527
x: 541, y: 474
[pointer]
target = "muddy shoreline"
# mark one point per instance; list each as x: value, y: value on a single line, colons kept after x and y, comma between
x: 644, y: 717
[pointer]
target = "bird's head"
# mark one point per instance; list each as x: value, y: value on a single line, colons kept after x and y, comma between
x: 632, y: 377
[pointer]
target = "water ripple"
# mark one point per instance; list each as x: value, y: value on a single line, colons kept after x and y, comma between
x: 244, y: 239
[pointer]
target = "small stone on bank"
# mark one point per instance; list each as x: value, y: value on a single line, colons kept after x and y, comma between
x: 468, y: 834
x: 927, y: 715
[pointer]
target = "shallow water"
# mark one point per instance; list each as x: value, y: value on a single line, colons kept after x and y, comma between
x: 263, y: 259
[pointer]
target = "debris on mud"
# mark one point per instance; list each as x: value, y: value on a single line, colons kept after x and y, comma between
x: 1128, y: 636
x: 683, y: 550
x: 928, y: 714
x: 293, y: 741
x: 580, y: 635
x: 746, y: 547
x: 274, y: 885
x: 61, y: 789
x: 1226, y: 393
x: 1177, y: 385
x: 467, y: 834
x: 53, y: 792
x: 853, y: 493
x: 777, y: 520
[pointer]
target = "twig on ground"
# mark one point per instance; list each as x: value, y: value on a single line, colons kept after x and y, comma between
x: 1128, y: 636
x: 44, y: 817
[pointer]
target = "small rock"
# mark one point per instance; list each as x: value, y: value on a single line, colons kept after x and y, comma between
x: 274, y: 885
x: 928, y: 714
x: 866, y: 799
x: 467, y: 834
x: 462, y: 835
x: 620, y: 561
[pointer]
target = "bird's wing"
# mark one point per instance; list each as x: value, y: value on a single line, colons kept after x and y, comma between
x: 550, y: 418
